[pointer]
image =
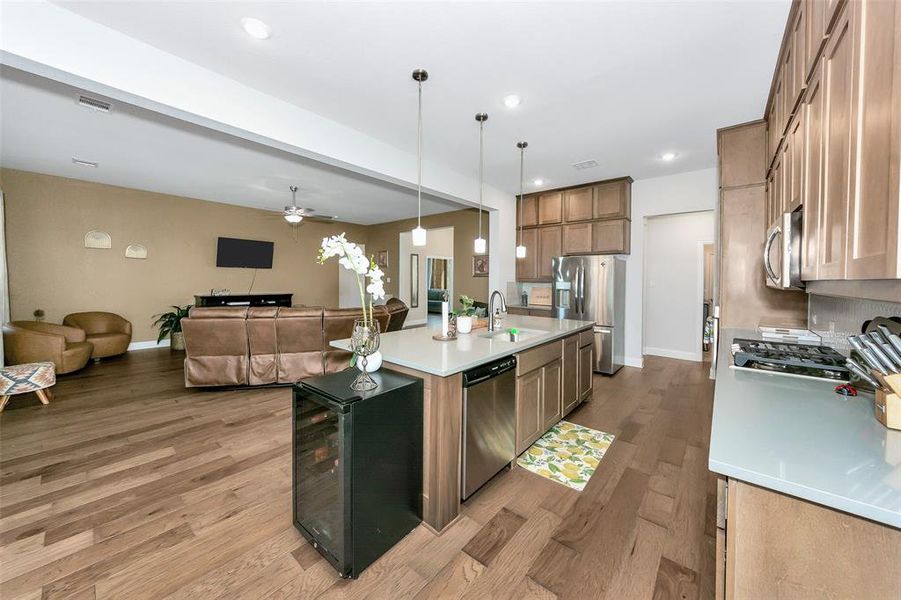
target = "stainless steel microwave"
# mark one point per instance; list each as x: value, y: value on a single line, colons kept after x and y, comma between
x: 782, y: 252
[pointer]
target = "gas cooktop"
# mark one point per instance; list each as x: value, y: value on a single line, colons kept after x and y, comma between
x: 805, y: 360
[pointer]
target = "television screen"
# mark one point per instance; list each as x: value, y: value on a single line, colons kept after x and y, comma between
x: 249, y: 254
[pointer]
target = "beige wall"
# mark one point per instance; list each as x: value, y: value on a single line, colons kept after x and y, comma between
x: 49, y: 267
x: 386, y: 236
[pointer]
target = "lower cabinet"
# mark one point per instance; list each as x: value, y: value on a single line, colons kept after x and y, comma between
x: 586, y: 371
x: 770, y: 545
x: 548, y: 386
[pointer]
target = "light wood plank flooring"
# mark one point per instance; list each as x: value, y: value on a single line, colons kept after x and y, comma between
x: 130, y: 486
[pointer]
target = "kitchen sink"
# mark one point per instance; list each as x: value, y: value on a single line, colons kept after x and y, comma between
x: 503, y: 335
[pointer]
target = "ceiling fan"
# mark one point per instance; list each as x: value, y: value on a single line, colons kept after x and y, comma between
x: 294, y: 215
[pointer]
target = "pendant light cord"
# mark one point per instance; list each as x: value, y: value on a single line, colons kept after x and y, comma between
x: 521, y: 159
x: 481, y: 162
x: 419, y: 160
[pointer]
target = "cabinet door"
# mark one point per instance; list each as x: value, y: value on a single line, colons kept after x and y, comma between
x: 579, y: 204
x: 552, y: 394
x: 813, y: 171
x: 873, y: 236
x: 571, y: 395
x: 816, y: 32
x: 794, y: 157
x: 527, y: 215
x: 577, y: 238
x: 529, y: 388
x: 612, y: 200
x: 798, y: 59
x: 773, y: 135
x: 611, y: 237
x: 550, y: 208
x: 831, y: 8
x: 779, y: 103
x: 527, y: 268
x: 550, y: 244
x: 838, y: 127
x: 787, y: 67
x: 586, y: 372
x: 775, y: 190
x: 787, y: 174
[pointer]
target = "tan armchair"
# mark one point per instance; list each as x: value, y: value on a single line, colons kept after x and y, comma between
x: 108, y: 332
x: 33, y: 341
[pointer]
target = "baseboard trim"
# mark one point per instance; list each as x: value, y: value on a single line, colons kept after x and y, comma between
x: 677, y: 354
x: 634, y: 361
x: 149, y: 344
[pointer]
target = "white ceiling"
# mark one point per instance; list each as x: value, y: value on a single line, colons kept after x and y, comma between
x: 42, y: 128
x: 618, y: 82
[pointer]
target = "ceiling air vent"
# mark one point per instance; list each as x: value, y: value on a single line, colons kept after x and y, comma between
x: 585, y: 164
x: 84, y: 163
x: 94, y: 103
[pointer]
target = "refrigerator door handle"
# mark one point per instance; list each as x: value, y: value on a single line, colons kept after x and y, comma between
x: 582, y: 291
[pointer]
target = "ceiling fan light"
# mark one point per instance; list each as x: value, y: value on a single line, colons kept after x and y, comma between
x: 480, y: 245
x: 419, y: 236
x: 520, y: 252
x: 293, y: 218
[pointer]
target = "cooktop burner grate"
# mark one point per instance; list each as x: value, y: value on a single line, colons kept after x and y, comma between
x: 795, y: 359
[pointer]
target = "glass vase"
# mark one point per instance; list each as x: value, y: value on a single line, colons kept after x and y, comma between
x: 364, y: 341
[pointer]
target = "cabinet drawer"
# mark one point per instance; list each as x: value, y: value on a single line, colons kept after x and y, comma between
x: 586, y: 338
x: 538, y: 357
x: 611, y: 237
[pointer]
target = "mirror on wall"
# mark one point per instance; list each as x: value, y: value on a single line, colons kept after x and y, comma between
x: 439, y: 281
x: 414, y: 281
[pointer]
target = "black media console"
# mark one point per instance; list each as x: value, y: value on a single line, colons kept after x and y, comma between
x: 245, y: 300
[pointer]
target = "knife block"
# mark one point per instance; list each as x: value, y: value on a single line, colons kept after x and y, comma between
x: 888, y: 405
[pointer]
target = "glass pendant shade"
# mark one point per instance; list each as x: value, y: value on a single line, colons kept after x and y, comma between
x: 293, y: 219
x: 419, y: 237
x: 480, y: 245
x: 520, y: 252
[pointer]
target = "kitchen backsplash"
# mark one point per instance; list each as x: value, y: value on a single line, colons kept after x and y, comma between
x: 836, y: 318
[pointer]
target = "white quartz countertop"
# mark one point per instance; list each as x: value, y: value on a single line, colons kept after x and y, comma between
x: 799, y: 437
x: 415, y: 348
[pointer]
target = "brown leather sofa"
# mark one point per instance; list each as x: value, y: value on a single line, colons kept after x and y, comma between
x: 35, y: 341
x: 108, y: 332
x: 265, y: 345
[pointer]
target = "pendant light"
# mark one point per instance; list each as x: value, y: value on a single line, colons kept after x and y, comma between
x: 419, y: 234
x: 292, y: 214
x: 520, y: 249
x: 480, y: 245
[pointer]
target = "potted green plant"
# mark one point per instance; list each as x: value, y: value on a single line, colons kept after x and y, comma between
x: 464, y: 318
x: 170, y: 324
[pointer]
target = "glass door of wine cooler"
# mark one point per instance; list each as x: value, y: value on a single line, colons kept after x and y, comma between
x: 320, y: 477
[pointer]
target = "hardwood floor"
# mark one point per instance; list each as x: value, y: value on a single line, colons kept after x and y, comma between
x: 130, y: 486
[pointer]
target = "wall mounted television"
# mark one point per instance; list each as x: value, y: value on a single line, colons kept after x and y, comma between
x: 248, y: 254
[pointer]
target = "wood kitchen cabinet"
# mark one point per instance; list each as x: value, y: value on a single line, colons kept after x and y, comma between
x: 577, y: 238
x: 550, y: 244
x: 527, y: 268
x: 613, y: 200
x: 550, y: 208
x: 812, y: 111
x: 794, y: 156
x: 838, y: 132
x: 529, y: 390
x: 552, y: 394
x: 527, y: 214
x: 611, y: 237
x: 578, y: 204
x: 571, y: 395
x: 815, y: 21
x: 586, y: 371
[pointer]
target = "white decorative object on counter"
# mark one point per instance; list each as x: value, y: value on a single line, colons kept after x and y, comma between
x: 464, y: 324
x: 373, y: 362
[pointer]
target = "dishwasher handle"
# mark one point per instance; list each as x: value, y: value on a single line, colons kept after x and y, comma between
x: 488, y: 371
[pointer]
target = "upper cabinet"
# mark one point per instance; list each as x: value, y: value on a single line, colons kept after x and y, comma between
x: 588, y: 219
x: 834, y: 150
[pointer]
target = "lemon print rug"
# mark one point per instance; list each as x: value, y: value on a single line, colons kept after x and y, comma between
x: 568, y: 454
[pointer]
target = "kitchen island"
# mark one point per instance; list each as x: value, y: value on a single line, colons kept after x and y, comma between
x: 810, y: 495
x: 441, y: 365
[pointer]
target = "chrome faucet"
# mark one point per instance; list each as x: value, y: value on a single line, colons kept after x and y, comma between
x: 491, y: 320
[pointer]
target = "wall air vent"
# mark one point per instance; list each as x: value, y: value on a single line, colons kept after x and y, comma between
x: 94, y: 103
x: 585, y: 164
x: 84, y: 163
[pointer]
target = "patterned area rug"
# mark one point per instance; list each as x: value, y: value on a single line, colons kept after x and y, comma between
x: 567, y: 454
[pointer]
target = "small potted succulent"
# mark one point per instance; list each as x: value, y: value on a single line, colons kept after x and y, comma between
x: 170, y: 324
x: 464, y: 317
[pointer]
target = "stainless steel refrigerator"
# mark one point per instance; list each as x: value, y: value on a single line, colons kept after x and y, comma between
x: 593, y: 288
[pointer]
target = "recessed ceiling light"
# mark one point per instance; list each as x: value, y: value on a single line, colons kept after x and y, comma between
x: 538, y: 181
x: 256, y: 28
x: 668, y: 156
x: 84, y: 163
x: 512, y: 101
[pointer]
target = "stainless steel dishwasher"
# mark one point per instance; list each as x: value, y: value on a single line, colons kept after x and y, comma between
x: 489, y: 422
